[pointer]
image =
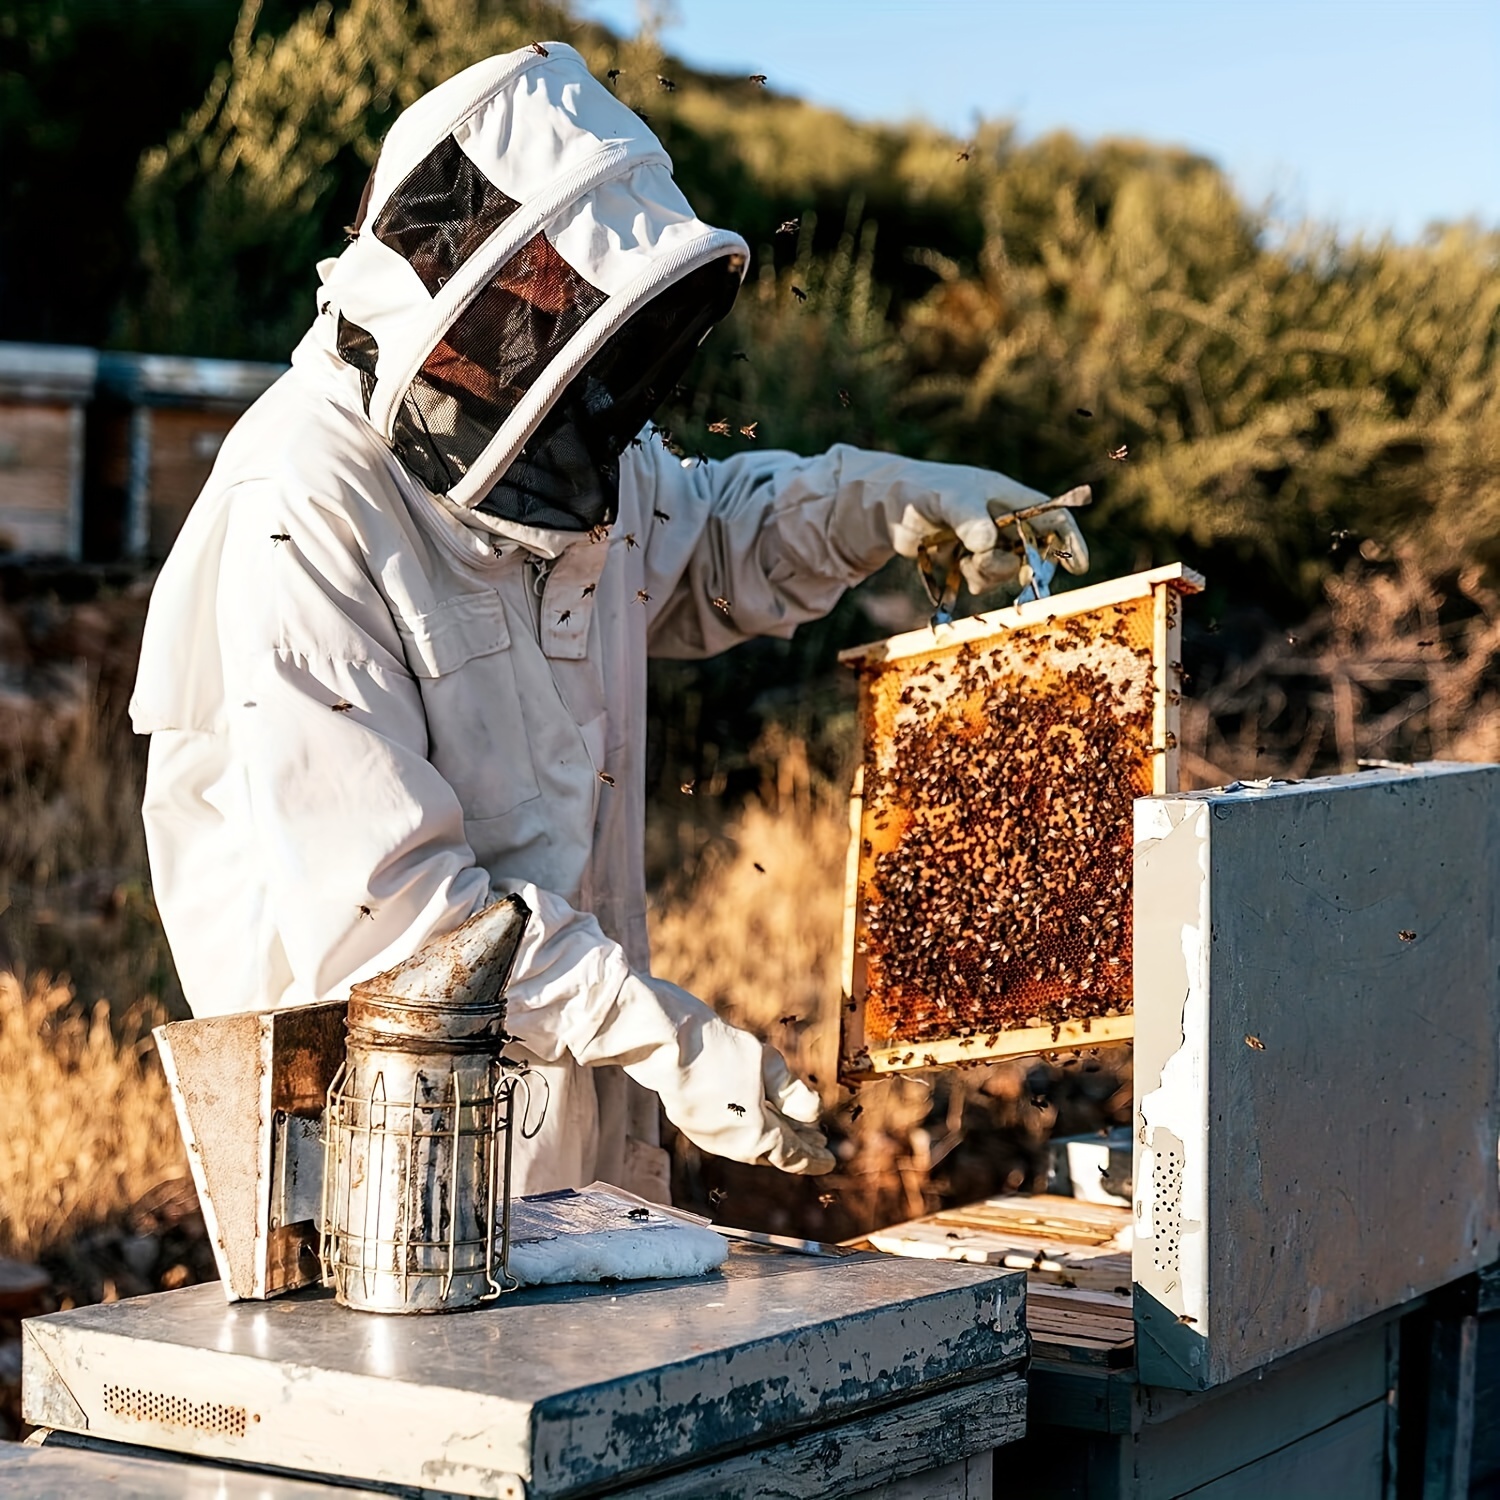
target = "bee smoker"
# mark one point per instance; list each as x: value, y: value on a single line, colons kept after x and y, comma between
x: 418, y: 1126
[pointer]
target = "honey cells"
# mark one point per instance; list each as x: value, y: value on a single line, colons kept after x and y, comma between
x: 995, y: 854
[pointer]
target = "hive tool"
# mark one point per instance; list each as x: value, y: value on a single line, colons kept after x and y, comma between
x: 940, y: 566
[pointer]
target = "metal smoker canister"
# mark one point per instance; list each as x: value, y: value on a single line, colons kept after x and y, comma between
x: 416, y: 1181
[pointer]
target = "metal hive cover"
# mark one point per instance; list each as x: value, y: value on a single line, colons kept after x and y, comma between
x: 989, y: 909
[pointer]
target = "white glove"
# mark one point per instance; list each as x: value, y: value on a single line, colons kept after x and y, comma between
x: 726, y: 1091
x: 939, y: 502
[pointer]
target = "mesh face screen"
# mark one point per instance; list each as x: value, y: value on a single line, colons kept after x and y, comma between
x: 357, y: 347
x: 567, y: 475
x: 994, y: 865
x: 492, y: 355
x: 441, y: 214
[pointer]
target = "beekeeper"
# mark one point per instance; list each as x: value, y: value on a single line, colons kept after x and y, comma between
x: 395, y: 665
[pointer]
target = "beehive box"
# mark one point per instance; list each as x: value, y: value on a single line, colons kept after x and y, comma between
x: 44, y: 390
x: 170, y: 415
x: 989, y: 907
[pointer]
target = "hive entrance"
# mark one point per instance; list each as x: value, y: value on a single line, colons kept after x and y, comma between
x: 990, y: 902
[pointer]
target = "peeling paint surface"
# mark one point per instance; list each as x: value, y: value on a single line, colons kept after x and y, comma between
x: 553, y: 1390
x: 1171, y: 1070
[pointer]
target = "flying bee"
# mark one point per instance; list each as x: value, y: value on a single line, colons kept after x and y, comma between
x: 827, y: 1200
x: 722, y: 605
x: 1255, y: 1044
x: 278, y: 537
x: 856, y: 1112
x: 343, y: 706
x: 716, y: 1196
x: 540, y: 50
x: 606, y: 778
x: 740, y: 354
x: 687, y: 788
x: 799, y: 294
x: 565, y: 616
x: 598, y: 533
x: 365, y: 911
x: 638, y: 1214
x: 1121, y: 453
x: 1185, y: 1318
x: 759, y: 79
x: 666, y: 84
x: 661, y: 516
x: 1407, y: 935
x: 613, y: 74
x: 1082, y: 411
x: 762, y: 869
x: 845, y: 399
x: 788, y: 1020
x: 588, y: 590
x: 964, y: 155
x: 720, y: 428
x: 788, y: 226
x: 642, y: 597
x: 630, y: 541
x: 748, y: 430
x: 737, y: 1109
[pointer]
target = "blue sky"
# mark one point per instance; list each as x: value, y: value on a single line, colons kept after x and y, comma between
x: 1372, y: 115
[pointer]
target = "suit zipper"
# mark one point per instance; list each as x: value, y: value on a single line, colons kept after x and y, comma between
x: 541, y: 571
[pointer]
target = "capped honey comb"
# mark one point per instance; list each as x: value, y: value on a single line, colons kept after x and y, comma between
x: 990, y: 902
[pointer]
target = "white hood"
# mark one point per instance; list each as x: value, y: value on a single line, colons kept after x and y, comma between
x: 518, y: 216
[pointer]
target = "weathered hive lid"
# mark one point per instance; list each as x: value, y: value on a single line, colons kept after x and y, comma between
x: 170, y: 379
x: 47, y: 372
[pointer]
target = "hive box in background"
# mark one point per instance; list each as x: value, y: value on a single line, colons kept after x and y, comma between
x: 158, y: 427
x: 1315, y: 1060
x: 44, y: 390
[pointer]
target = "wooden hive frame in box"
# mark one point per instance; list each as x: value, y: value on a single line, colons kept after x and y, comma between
x: 989, y: 900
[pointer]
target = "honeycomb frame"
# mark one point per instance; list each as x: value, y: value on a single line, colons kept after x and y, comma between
x: 988, y: 906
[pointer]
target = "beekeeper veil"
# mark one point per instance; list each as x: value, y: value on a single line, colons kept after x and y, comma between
x: 525, y: 286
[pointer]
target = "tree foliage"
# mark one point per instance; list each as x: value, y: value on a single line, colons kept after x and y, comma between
x: 963, y: 300
x: 74, y: 119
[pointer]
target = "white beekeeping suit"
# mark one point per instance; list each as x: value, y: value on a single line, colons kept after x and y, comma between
x: 396, y: 663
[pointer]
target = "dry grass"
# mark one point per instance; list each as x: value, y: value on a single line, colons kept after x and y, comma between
x: 757, y: 935
x: 1400, y: 664
x: 89, y: 1126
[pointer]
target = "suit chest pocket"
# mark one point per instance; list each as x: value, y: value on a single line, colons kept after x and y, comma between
x: 460, y: 654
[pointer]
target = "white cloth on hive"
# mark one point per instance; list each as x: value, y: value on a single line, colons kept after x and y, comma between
x: 591, y: 1235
